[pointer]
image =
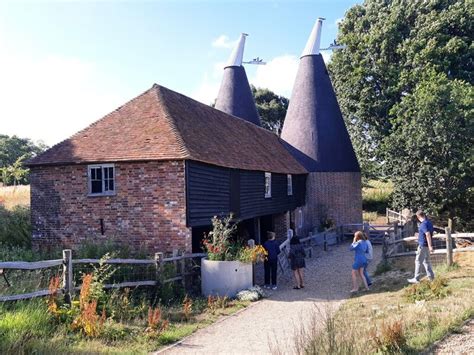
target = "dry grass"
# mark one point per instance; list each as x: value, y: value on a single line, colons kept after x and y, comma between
x: 11, y: 196
x: 386, y: 321
x: 422, y: 321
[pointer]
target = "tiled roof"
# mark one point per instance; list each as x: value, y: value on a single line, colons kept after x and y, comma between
x: 161, y: 124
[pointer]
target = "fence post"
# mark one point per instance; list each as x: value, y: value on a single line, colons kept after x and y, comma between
x: 449, y: 246
x: 325, y: 243
x: 386, y: 216
x: 395, y: 230
x: 158, y: 266
x: 366, y: 229
x: 67, y: 275
x: 183, y: 270
x: 384, y: 247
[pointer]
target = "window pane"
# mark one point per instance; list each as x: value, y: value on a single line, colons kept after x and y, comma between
x: 93, y: 174
x: 111, y: 173
x: 106, y: 184
x: 111, y: 185
x: 96, y: 187
x: 106, y: 173
x: 99, y: 174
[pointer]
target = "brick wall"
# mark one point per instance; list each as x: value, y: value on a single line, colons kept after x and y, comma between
x: 331, y: 195
x: 148, y: 210
x: 281, y: 223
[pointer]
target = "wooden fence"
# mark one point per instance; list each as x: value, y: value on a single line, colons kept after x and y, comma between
x: 68, y: 263
x: 336, y: 235
x: 395, y: 246
x: 394, y: 216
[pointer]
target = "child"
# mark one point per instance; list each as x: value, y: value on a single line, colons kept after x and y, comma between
x: 360, y: 261
x: 270, y: 265
x: 296, y: 256
x: 369, y: 255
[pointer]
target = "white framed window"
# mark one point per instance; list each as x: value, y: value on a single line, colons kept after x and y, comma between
x: 268, y: 185
x: 289, y: 183
x: 101, y: 179
x: 300, y: 218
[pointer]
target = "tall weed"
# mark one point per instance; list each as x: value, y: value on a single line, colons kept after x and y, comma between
x: 15, y: 226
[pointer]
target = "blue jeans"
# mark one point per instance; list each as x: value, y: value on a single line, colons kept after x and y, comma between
x: 423, y: 257
x: 366, y: 274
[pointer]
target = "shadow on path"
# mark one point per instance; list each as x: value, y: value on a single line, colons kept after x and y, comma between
x: 278, y: 317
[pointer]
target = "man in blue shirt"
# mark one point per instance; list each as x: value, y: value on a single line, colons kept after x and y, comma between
x: 425, y: 247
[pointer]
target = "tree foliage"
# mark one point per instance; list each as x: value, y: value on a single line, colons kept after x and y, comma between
x: 404, y: 84
x: 13, y: 152
x: 431, y: 150
x: 390, y: 44
x: 271, y: 108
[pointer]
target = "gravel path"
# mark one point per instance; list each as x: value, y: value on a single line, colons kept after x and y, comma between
x: 273, y: 322
x: 462, y: 343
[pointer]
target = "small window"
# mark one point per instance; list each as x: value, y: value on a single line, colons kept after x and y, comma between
x: 101, y: 179
x: 300, y: 219
x: 268, y: 185
x: 289, y: 182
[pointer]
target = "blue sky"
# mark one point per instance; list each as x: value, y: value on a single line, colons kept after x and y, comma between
x: 65, y: 64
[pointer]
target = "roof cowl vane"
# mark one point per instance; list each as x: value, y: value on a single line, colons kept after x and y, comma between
x: 237, y: 55
x: 314, y: 40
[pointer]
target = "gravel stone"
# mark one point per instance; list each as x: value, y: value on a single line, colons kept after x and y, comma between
x: 462, y: 343
x: 272, y: 323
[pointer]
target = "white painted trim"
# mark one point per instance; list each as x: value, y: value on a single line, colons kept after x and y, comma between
x: 235, y: 59
x: 269, y: 193
x: 289, y: 185
x: 89, y: 183
x: 314, y: 40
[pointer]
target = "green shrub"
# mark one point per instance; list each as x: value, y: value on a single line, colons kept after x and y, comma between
x: 382, y: 267
x: 427, y: 290
x: 15, y: 226
x: 15, y: 253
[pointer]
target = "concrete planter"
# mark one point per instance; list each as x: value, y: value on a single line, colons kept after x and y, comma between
x: 224, y: 278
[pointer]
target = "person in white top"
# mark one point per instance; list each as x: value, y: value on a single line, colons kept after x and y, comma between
x: 369, y: 256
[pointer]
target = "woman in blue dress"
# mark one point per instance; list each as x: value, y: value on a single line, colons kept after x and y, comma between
x: 360, y: 261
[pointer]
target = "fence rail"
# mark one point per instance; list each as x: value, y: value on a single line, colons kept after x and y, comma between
x: 395, y: 246
x: 336, y: 235
x: 394, y: 216
x: 68, y: 267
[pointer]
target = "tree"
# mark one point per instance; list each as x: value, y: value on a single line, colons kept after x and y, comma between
x: 271, y: 108
x: 13, y: 152
x: 390, y: 45
x: 431, y: 150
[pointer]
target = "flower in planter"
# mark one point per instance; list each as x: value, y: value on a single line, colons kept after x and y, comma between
x: 221, y: 244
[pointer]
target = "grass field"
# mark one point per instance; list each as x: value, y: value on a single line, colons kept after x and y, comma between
x: 395, y: 317
x: 11, y: 196
x: 375, y: 199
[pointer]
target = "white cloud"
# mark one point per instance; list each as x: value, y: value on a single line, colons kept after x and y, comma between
x: 223, y: 41
x: 52, y: 97
x: 277, y: 75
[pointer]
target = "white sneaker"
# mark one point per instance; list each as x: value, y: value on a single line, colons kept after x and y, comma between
x: 274, y: 288
x: 266, y: 286
x: 413, y: 281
